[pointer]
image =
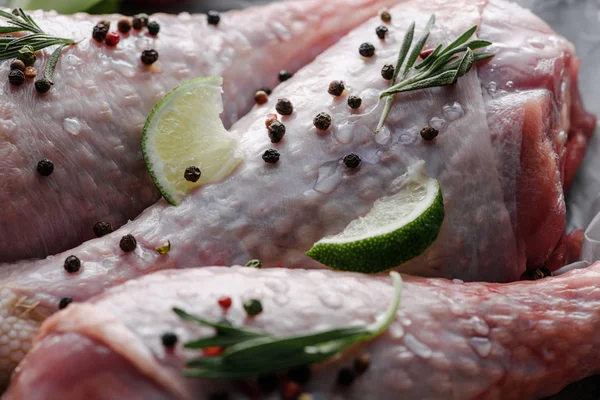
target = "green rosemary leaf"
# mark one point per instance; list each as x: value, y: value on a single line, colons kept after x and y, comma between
x: 11, y: 52
x: 478, y: 44
x: 482, y: 56
x: 15, y: 20
x: 419, y: 46
x: 37, y: 39
x: 10, y: 29
x: 51, y: 63
x: 28, y: 20
x: 222, y: 328
x: 406, y: 43
x: 222, y: 368
x: 465, y: 64
x: 270, y: 354
x: 476, y: 58
x: 220, y: 341
x: 25, y: 40
x: 281, y: 347
x: 443, y: 79
x: 432, y: 57
x: 462, y: 39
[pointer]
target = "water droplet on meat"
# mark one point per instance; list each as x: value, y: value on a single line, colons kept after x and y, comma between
x: 453, y: 111
x: 72, y: 126
x: 329, y: 178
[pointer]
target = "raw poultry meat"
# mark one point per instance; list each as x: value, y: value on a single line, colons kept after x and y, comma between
x: 450, y: 340
x: 90, y: 123
x: 500, y: 157
x: 491, y: 139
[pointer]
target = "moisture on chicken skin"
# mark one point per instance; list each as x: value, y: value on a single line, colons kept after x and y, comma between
x: 449, y: 340
x: 90, y: 123
x: 275, y: 214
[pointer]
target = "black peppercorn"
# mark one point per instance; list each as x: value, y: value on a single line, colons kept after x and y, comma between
x: 149, y: 56
x: 284, y: 107
x: 72, y: 264
x: 386, y: 16
x: 261, y: 97
x: 322, y: 121
x: 366, y: 50
x: 266, y: 90
x: 253, y: 307
x: 429, y: 133
x: 16, y: 77
x: 271, y: 156
x: 354, y: 102
x: 336, y: 88
x: 99, y: 33
x: 124, y: 25
x: 64, y: 302
x: 192, y: 173
x: 136, y: 22
x: 276, y: 131
x: 17, y: 64
x: 102, y: 228
x: 345, y: 377
x: 284, y: 75
x: 153, y: 28
x: 169, y: 339
x: 300, y: 374
x: 381, y: 31
x: 127, y: 243
x: 45, y: 167
x: 143, y: 17
x: 15, y: 12
x: 43, y: 85
x: 387, y: 72
x: 267, y: 383
x: 213, y: 17
x: 352, y: 160
x: 362, y: 363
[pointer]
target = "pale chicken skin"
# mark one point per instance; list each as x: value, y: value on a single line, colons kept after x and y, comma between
x: 449, y: 340
x: 90, y: 123
x: 487, y: 158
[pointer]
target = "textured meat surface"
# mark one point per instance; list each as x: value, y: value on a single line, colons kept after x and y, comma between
x: 276, y: 213
x: 450, y: 340
x: 548, y: 134
x: 90, y: 123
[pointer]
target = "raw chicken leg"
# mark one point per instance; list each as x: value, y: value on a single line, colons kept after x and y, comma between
x: 276, y: 212
x: 90, y: 123
x: 450, y: 340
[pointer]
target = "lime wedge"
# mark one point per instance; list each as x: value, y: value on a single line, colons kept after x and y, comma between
x: 398, y: 228
x: 184, y: 130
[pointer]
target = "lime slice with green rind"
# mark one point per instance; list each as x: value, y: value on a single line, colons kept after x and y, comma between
x: 184, y: 129
x: 398, y: 228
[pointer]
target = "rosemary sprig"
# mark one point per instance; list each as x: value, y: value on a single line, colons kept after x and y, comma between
x: 249, y: 353
x: 442, y: 67
x: 21, y: 22
x: 51, y: 64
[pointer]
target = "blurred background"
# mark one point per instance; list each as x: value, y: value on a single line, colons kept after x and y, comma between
x: 578, y: 20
